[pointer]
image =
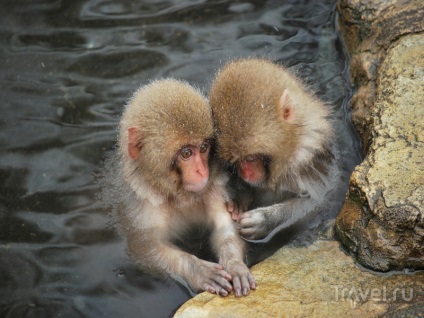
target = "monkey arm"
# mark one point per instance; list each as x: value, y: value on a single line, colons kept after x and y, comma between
x: 259, y: 223
x: 229, y: 248
x: 148, y: 244
x: 305, y: 198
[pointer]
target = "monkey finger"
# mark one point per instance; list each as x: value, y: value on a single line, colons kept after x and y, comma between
x: 223, y: 292
x: 234, y: 216
x: 248, y: 233
x: 230, y: 206
x: 242, y: 215
x: 246, y: 222
x: 224, y: 283
x: 220, y: 278
x: 252, y: 281
x: 209, y: 288
x: 215, y: 288
x: 226, y: 275
x: 233, y: 209
x: 220, y: 290
x: 245, y: 285
x: 237, y: 286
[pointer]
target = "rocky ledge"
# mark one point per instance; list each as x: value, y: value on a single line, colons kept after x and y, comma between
x: 386, y: 229
x: 318, y: 280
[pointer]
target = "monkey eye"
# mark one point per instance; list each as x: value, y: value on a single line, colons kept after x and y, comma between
x: 186, y: 153
x: 204, y: 147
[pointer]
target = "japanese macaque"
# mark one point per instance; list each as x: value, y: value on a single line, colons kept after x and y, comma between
x: 165, y: 183
x: 277, y: 138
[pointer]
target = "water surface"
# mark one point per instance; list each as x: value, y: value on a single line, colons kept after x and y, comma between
x: 66, y: 70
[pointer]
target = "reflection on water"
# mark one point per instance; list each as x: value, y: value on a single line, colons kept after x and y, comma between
x: 67, y: 68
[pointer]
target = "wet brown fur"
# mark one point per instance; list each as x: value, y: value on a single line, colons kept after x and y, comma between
x: 250, y: 120
x: 152, y: 207
x: 164, y: 128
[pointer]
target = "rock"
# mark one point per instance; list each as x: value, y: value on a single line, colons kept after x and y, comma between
x: 369, y: 28
x: 389, y: 234
x: 315, y: 281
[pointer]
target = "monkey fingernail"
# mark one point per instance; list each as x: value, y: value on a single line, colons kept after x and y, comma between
x: 238, y: 292
x: 245, y: 291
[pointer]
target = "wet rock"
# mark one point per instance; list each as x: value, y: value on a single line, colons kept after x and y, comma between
x: 382, y: 223
x: 369, y: 28
x: 315, y: 281
x: 389, y: 234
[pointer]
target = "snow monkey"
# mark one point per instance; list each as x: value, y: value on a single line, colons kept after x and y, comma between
x: 166, y: 183
x: 277, y: 138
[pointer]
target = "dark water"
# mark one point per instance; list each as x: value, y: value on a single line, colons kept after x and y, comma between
x: 66, y: 69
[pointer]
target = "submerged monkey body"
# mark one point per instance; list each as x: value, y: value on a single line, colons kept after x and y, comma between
x: 165, y: 182
x: 176, y: 219
x: 279, y: 144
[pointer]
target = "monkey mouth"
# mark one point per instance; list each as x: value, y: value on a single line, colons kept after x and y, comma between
x: 195, y: 186
x: 255, y: 182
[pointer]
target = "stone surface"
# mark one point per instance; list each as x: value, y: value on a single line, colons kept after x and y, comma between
x: 315, y: 281
x: 369, y: 28
x: 389, y: 234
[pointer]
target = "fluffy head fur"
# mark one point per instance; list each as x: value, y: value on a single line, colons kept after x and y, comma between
x: 168, y: 114
x: 249, y: 117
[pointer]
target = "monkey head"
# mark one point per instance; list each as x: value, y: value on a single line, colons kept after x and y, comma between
x: 165, y: 138
x: 256, y: 125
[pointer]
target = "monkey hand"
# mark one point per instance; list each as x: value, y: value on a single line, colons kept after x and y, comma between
x: 256, y: 224
x: 242, y: 278
x: 211, y: 277
x: 234, y: 208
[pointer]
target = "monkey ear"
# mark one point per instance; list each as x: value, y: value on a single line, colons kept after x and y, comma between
x: 286, y: 105
x: 134, y: 142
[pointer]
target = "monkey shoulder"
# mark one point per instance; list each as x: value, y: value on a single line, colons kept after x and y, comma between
x: 316, y: 176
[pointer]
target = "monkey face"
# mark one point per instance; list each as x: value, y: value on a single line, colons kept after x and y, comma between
x: 192, y: 164
x: 253, y: 169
